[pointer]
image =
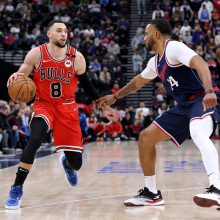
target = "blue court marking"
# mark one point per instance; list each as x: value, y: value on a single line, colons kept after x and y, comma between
x: 169, y: 167
x: 122, y: 167
x: 9, y: 161
x: 183, y: 166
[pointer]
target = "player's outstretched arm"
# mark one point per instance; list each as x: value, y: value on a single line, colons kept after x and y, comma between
x: 31, y: 60
x: 135, y: 84
x: 210, y: 99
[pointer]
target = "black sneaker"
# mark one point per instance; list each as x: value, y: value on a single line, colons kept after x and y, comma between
x: 209, y: 198
x: 145, y: 197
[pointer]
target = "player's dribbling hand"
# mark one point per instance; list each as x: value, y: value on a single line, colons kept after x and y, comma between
x: 209, y: 101
x: 14, y: 76
x: 106, y: 100
x: 111, y: 114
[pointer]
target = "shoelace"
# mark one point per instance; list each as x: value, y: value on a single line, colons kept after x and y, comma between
x: 141, y: 192
x: 14, y: 193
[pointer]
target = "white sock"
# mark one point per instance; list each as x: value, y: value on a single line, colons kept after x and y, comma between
x: 150, y: 183
x: 200, y: 130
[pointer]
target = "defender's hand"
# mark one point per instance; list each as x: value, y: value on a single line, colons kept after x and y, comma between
x: 106, y: 100
x: 109, y: 112
x: 209, y: 101
x: 14, y: 76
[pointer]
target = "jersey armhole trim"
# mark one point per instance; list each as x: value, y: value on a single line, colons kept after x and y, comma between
x: 156, y: 65
x: 169, y: 64
x: 40, y: 60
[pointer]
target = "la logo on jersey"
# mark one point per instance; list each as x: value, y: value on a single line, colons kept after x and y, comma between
x: 68, y: 63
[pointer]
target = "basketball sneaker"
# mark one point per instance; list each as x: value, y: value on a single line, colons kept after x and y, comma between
x: 71, y: 175
x: 14, y: 199
x: 209, y: 198
x: 145, y: 197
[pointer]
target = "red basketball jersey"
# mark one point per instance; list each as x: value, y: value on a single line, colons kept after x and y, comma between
x: 56, y: 80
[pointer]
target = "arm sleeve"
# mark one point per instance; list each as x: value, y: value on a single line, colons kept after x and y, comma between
x: 88, y: 86
x: 177, y: 52
x: 150, y: 72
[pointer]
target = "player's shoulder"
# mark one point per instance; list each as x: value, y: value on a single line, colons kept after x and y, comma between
x: 152, y: 60
x: 34, y: 52
x: 175, y: 43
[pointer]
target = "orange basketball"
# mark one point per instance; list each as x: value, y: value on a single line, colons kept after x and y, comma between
x: 22, y: 90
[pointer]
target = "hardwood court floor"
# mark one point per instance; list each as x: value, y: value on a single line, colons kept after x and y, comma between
x: 110, y: 174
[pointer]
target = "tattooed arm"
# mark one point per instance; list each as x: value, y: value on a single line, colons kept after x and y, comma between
x: 135, y: 84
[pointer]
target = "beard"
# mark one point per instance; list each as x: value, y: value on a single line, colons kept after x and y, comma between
x: 151, y: 44
x: 58, y: 44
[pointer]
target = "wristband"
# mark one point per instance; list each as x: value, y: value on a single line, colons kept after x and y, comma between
x: 115, y: 97
x: 210, y: 91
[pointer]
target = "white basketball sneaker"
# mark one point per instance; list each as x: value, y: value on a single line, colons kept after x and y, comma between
x: 145, y: 197
x: 209, y: 198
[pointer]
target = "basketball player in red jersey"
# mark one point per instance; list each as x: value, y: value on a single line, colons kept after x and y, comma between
x: 57, y: 68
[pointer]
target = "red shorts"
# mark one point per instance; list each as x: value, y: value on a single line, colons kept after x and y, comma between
x: 64, y: 119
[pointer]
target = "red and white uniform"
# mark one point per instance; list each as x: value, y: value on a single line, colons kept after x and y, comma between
x: 56, y: 83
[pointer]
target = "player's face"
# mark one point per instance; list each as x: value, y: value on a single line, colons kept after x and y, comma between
x: 148, y: 38
x: 58, y: 34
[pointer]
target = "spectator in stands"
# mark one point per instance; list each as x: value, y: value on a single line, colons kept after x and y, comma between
x: 36, y: 44
x: 143, y: 109
x: 10, y: 42
x: 208, y: 5
x: 4, y: 126
x: 37, y: 31
x: 168, y: 8
x: 141, y: 5
x: 160, y: 94
x: 94, y: 8
x: 83, y: 107
x: 89, y: 31
x: 162, y: 108
x: 126, y: 122
x: 211, y: 44
x: 200, y: 51
x: 118, y: 76
x: 9, y: 7
x: 82, y: 121
x: 187, y: 14
x: 99, y: 129
x: 142, y: 51
x: 131, y: 111
x: 204, y: 14
x: 196, y: 35
x: 208, y: 35
x: 122, y: 34
x: 149, y: 118
x: 113, y: 47
x: 105, y: 78
x: 124, y: 23
x: 136, y: 40
x: 217, y: 39
x: 195, y: 6
x: 201, y: 42
x: 158, y: 13
x: 210, y: 56
x: 185, y: 27
x: 93, y: 77
x: 114, y: 131
x: 216, y: 28
x: 96, y: 66
x: 187, y: 37
x: 135, y: 129
x: 141, y: 30
x: 181, y: 39
x: 139, y: 116
x: 115, y: 88
x: 184, y: 5
x: 217, y: 5
x: 137, y: 62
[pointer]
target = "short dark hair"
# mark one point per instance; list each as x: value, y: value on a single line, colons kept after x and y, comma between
x: 162, y: 25
x: 53, y: 22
